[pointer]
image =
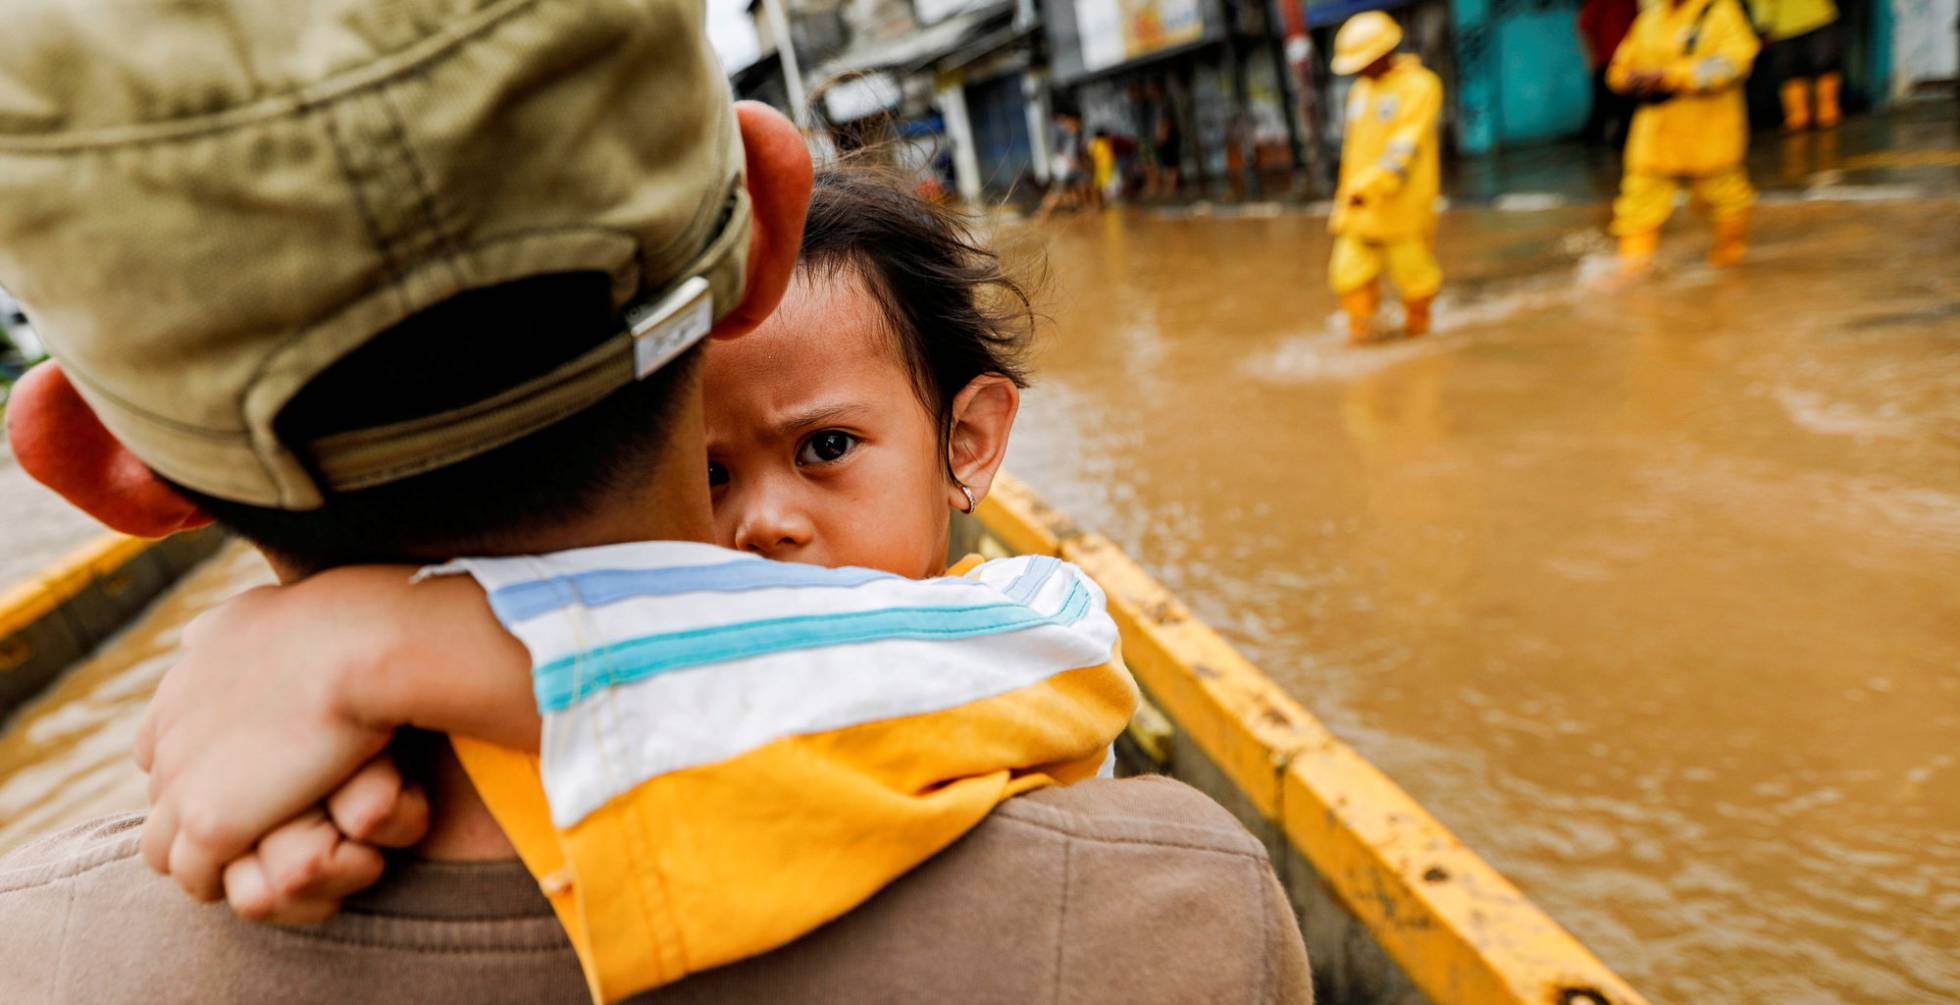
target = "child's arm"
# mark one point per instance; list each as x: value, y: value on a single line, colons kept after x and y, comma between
x: 282, y: 693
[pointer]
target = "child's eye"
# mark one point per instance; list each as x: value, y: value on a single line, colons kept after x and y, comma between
x: 825, y: 447
x: 717, y: 475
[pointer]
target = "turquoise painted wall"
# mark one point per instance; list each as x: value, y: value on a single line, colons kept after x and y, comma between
x: 1544, y: 90
x: 1476, y: 75
x: 1520, y: 74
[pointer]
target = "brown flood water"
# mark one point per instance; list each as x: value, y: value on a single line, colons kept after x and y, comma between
x: 1652, y: 595
x: 65, y: 757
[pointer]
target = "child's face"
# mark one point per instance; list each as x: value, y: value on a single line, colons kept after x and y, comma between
x: 819, y: 450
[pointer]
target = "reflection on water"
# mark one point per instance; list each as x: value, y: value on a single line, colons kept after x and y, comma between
x: 65, y: 758
x: 1649, y: 593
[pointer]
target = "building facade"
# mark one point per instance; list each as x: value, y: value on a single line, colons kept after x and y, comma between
x: 1237, y: 92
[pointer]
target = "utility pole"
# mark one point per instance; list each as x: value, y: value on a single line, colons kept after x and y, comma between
x: 950, y: 91
x: 1299, y: 67
x: 799, y: 108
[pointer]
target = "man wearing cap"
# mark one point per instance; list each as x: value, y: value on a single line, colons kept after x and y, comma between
x: 400, y: 280
x: 1384, y: 215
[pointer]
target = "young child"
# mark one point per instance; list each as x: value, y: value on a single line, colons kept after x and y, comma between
x: 1102, y: 154
x: 877, y: 711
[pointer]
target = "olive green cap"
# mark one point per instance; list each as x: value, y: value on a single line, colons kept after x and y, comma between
x: 206, y: 203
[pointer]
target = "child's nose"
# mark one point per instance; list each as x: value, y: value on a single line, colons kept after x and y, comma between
x: 773, y: 531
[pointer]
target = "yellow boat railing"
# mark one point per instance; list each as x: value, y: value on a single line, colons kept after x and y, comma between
x: 1358, y: 856
x: 53, y: 619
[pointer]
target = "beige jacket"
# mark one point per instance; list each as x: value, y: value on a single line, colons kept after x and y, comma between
x: 1140, y: 890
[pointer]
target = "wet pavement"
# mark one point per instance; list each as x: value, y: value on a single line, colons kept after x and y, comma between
x: 36, y: 526
x: 1648, y: 592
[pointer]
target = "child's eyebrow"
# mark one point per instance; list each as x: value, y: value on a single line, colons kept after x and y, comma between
x: 814, y: 416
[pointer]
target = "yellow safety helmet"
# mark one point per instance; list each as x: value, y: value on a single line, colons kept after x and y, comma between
x: 1365, y: 37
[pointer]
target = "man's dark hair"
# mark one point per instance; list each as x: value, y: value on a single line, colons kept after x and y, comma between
x: 460, y: 351
x: 954, y: 311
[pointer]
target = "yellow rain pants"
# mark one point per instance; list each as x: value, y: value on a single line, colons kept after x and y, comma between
x: 1389, y: 159
x: 1701, y: 133
x: 1646, y: 201
x: 1411, y: 266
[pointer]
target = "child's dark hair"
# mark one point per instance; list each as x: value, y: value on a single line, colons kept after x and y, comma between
x: 953, y: 309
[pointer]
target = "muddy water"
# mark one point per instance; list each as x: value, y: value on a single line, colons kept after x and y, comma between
x: 65, y: 757
x: 1651, y: 594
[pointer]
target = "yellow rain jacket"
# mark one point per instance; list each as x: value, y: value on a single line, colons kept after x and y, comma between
x: 1704, y: 129
x: 1781, y: 19
x: 737, y: 751
x: 1389, y: 155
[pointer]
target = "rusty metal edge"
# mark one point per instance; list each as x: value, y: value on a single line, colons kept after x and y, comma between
x: 1457, y: 928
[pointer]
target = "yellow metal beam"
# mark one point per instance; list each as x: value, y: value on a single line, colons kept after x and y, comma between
x: 1456, y: 927
x: 1232, y: 710
x: 1018, y: 518
x: 28, y: 601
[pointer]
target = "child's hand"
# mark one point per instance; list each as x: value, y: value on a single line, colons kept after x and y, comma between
x: 299, y: 873
x: 259, y: 720
x: 281, y: 693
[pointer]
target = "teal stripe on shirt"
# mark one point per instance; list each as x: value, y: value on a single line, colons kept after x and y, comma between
x: 568, y: 680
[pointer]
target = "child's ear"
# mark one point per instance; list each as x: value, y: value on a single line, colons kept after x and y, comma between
x: 983, y: 416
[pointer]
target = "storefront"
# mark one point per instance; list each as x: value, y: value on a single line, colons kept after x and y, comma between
x: 1176, y: 77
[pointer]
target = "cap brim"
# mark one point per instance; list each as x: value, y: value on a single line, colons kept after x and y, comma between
x: 1354, y: 63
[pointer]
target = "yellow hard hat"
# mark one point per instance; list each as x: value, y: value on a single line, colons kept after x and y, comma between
x: 1365, y: 37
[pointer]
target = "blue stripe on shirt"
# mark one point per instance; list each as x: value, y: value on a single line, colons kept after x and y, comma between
x: 568, y: 680
x: 599, y: 587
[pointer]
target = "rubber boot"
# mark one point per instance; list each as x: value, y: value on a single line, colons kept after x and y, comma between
x: 1415, y: 315
x: 1796, y: 105
x: 1731, y: 241
x: 1828, y: 113
x: 1637, y: 251
x: 1360, y: 304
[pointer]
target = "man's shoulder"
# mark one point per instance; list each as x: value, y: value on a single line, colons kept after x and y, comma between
x: 1147, y: 811
x: 1421, y: 77
x: 1106, y: 891
x: 83, y: 919
x: 110, y: 842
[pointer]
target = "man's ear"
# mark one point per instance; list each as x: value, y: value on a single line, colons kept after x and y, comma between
x: 779, y: 178
x: 61, y: 444
x: 983, y: 416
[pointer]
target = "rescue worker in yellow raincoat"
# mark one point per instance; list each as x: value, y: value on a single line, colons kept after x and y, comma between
x: 1685, y: 62
x: 1806, y: 53
x: 1385, y: 206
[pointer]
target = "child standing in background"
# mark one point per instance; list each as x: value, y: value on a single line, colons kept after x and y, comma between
x: 1102, y: 155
